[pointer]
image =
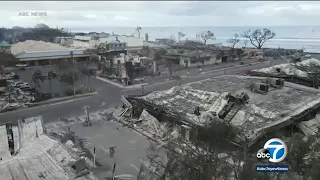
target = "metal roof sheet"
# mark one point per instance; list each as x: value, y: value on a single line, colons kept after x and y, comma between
x: 49, y: 53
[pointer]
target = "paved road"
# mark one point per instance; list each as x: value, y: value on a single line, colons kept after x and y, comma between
x: 108, y: 97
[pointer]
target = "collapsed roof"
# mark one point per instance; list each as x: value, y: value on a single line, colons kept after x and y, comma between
x: 290, y: 68
x: 262, y: 113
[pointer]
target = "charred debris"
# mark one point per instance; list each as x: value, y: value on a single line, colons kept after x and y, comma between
x: 258, y: 106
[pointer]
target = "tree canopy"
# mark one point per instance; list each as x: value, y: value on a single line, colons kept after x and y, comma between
x: 7, y: 59
x: 235, y: 40
x: 41, y: 32
x: 205, y: 36
x: 259, y: 36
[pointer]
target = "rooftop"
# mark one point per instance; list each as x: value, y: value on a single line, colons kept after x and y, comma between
x: 4, y: 44
x: 35, y: 49
x: 290, y: 68
x: 36, y: 156
x: 31, y: 46
x: 262, y: 112
x: 130, y: 40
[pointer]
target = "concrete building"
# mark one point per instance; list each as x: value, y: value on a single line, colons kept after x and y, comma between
x: 35, y: 53
x: 132, y: 43
x: 257, y: 106
x: 85, y: 42
x: 64, y: 41
x: 195, y: 58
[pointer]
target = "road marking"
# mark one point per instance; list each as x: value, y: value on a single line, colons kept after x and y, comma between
x: 135, y: 167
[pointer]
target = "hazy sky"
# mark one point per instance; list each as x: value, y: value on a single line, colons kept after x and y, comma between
x: 166, y: 13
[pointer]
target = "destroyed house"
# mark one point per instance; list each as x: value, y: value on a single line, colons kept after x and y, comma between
x: 26, y: 152
x: 299, y: 73
x: 256, y: 105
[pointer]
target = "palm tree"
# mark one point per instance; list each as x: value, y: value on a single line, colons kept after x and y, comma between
x: 180, y: 34
x: 36, y: 78
x: 138, y: 29
x: 51, y: 75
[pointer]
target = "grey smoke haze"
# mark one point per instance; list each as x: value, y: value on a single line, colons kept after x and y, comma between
x: 167, y: 13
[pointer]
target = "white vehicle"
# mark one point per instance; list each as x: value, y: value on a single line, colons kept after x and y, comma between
x: 21, y: 65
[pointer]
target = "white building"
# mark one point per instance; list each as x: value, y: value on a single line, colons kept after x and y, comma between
x: 35, y: 53
x: 132, y: 43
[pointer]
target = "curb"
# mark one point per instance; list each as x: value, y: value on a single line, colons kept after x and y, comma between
x: 55, y: 100
x: 119, y: 85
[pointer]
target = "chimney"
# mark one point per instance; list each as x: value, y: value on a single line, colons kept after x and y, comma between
x: 146, y: 37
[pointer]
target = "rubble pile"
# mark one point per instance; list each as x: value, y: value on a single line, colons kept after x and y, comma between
x: 260, y: 113
x: 281, y: 52
x: 290, y: 68
x: 18, y: 95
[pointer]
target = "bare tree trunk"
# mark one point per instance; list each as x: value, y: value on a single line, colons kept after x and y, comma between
x: 50, y: 86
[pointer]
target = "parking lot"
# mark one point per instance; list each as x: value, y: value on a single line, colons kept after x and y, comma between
x: 21, y: 86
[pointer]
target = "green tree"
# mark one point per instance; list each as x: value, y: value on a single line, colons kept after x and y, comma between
x: 7, y: 59
x: 42, y: 32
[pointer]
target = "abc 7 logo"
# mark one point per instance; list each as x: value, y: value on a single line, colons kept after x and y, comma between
x: 263, y: 154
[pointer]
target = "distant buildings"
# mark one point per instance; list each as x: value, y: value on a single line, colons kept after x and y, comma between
x: 132, y: 43
x: 192, y: 54
x: 5, y: 46
x: 64, y: 41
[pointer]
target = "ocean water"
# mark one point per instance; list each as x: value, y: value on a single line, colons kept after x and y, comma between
x: 288, y: 37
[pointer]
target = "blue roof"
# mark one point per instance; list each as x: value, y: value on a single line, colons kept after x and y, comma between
x: 49, y: 53
x: 4, y: 44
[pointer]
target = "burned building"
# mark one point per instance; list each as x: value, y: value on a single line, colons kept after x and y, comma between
x: 26, y: 152
x: 192, y: 54
x: 305, y: 72
x: 255, y: 105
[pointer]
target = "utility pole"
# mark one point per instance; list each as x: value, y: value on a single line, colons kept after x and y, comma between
x: 74, y: 90
x: 142, y: 89
x: 114, y: 171
x: 94, y: 157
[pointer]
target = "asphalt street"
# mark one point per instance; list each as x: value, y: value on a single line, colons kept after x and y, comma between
x: 109, y: 96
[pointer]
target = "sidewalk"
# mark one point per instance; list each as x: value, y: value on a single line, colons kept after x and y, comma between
x: 120, y: 85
